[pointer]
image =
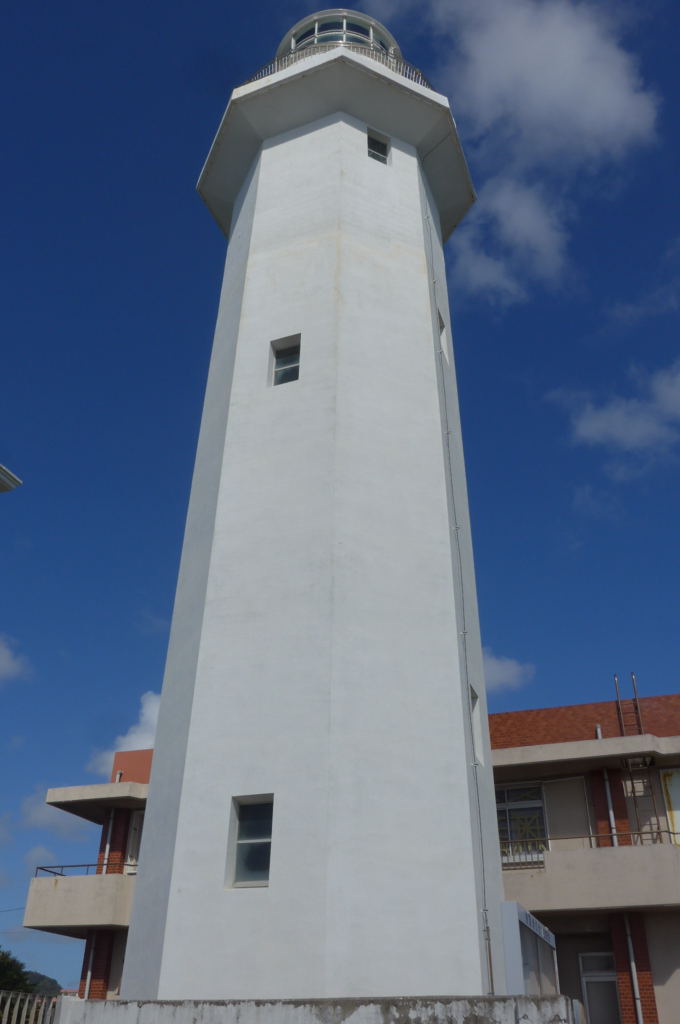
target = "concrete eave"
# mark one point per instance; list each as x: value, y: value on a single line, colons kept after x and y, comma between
x: 93, y: 802
x: 588, y: 753
x: 326, y: 84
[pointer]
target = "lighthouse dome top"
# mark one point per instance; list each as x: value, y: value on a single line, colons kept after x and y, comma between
x: 339, y: 27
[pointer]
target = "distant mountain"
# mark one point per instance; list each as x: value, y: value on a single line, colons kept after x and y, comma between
x: 43, y: 985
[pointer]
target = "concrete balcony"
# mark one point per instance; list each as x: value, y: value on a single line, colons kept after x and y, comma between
x: 608, y: 878
x: 71, y: 905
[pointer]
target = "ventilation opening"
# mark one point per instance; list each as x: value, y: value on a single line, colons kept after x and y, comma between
x: 378, y: 147
x: 443, y: 336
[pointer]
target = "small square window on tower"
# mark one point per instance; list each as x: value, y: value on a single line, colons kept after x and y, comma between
x: 253, y: 842
x: 285, y: 360
x: 378, y: 146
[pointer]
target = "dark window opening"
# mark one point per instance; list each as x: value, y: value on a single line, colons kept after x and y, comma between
x: 377, y: 150
x: 253, y: 843
x: 286, y: 364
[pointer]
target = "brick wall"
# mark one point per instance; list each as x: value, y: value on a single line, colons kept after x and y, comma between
x: 118, y: 844
x: 101, y: 964
x: 660, y: 717
x: 644, y: 971
x: 134, y: 765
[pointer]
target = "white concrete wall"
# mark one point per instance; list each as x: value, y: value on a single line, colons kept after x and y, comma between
x: 663, y: 942
x: 330, y: 669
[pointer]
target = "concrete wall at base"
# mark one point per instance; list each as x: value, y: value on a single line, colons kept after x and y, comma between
x: 663, y: 941
x: 481, y: 1010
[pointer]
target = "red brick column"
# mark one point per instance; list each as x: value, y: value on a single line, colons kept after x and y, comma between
x: 118, y: 844
x: 101, y: 964
x: 642, y: 964
x: 597, y: 787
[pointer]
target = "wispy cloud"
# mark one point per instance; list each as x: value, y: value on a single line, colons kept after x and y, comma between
x: 35, y: 813
x: 544, y: 91
x: 638, y: 430
x: 664, y: 299
x: 37, y: 856
x: 596, y: 504
x: 12, y: 665
x: 139, y: 736
x: 149, y: 622
x: 505, y: 673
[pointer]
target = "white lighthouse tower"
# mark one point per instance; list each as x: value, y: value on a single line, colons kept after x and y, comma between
x: 321, y: 820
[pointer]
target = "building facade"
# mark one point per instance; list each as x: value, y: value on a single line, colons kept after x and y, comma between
x: 607, y: 886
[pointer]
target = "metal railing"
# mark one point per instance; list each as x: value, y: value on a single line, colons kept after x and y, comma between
x: 400, y: 67
x: 26, y: 1008
x: 528, y: 853
x: 69, y: 870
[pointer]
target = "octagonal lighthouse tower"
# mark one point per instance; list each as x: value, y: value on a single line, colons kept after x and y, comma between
x: 321, y: 820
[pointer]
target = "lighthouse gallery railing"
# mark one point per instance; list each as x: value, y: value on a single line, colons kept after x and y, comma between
x: 400, y: 67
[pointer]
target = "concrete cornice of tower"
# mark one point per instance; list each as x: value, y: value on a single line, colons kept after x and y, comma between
x: 339, y: 26
x: 299, y: 89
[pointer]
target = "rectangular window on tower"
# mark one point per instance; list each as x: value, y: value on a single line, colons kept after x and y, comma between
x: 378, y: 146
x: 253, y: 845
x: 284, y: 363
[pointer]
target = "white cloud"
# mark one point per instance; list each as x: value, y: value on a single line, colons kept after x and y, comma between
x: 139, y: 736
x: 12, y: 666
x: 642, y: 427
x: 541, y: 89
x: 505, y: 673
x: 35, y: 813
x: 664, y: 299
x: 37, y: 856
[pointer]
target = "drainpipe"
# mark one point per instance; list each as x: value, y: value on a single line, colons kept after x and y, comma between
x: 633, y: 972
x: 88, y: 981
x: 119, y: 776
x: 108, y: 842
x: 610, y: 806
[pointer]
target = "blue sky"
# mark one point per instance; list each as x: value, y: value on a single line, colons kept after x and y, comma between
x: 565, y: 292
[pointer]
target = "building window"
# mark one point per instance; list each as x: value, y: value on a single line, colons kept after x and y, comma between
x: 521, y: 825
x: 378, y: 147
x: 285, y: 360
x: 600, y: 993
x: 253, y: 843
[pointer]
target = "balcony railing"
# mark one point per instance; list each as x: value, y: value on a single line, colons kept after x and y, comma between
x: 400, y: 67
x: 68, y: 870
x: 528, y: 853
x: 26, y: 1008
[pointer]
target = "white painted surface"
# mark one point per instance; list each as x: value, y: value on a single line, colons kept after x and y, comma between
x: 329, y: 646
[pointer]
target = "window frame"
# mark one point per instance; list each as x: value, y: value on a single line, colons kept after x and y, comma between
x: 231, y: 881
x: 524, y: 855
x: 383, y: 140
x: 276, y: 349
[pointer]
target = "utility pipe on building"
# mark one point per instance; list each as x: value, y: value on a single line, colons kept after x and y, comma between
x: 610, y: 806
x: 633, y: 972
x: 108, y: 843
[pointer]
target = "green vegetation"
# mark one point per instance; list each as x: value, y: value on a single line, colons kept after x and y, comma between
x: 13, y: 974
x: 15, y: 978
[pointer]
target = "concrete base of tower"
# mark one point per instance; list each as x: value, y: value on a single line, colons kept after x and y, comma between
x: 427, y: 1010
